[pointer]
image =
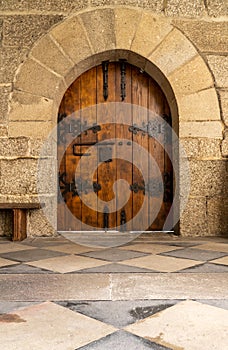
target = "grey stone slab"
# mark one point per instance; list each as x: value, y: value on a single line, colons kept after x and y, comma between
x: 115, y: 268
x: 123, y: 341
x: 195, y: 254
x: 169, y: 286
x: 31, y: 255
x: 207, y: 268
x: 22, y: 269
x: 119, y: 313
x: 114, y: 255
x: 223, y: 303
x: 54, y: 287
x: 9, y: 306
x: 44, y: 242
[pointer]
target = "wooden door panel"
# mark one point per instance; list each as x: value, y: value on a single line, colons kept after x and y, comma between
x: 147, y: 101
x: 124, y: 150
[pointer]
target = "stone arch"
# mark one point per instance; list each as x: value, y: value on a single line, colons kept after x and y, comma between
x: 83, y: 40
x: 148, y: 41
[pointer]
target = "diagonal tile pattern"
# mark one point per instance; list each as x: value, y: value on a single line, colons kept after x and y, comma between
x: 49, y: 326
x: 195, y: 254
x: 114, y: 254
x: 123, y: 341
x: 100, y: 323
x: 150, y: 248
x: 67, y: 263
x: 161, y: 263
x: 6, y: 262
x: 30, y: 255
x: 187, y: 325
x: 221, y: 261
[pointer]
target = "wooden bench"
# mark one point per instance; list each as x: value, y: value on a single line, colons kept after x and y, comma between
x: 19, y: 217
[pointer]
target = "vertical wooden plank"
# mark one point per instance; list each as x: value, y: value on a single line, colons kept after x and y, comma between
x: 66, y: 212
x: 88, y: 114
x: 107, y: 170
x: 124, y: 151
x: 156, y: 106
x: 140, y: 84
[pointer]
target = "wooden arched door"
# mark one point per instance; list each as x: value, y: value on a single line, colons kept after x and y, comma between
x: 126, y: 84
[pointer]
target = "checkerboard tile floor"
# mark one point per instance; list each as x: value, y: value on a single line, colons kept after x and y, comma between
x: 191, y: 324
x: 61, y: 256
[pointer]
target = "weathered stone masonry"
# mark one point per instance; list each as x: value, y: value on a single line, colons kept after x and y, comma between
x: 46, y: 45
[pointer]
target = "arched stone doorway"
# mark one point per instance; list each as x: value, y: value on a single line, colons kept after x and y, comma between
x: 128, y: 141
x: 149, y: 42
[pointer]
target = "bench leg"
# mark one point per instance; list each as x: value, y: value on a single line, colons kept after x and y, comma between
x: 19, y: 224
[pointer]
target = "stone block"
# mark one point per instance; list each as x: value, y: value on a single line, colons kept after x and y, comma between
x: 75, y: 46
x: 43, y: 5
x: 208, y: 177
x: 25, y: 30
x: 224, y: 147
x: 30, y: 129
x: 3, y: 131
x: 42, y: 148
x: 18, y: 176
x: 46, y: 176
x: 206, y: 36
x: 211, y: 130
x: 190, y: 146
x: 217, y: 209
x: 6, y: 222
x: 174, y: 51
x: 185, y: 8
x: 224, y: 105
x: 10, y: 59
x: 99, y: 25
x: 38, y: 224
x: 193, y: 221
x: 48, y: 53
x: 209, y: 149
x: 126, y: 22
x: 144, y: 43
x: 27, y: 107
x: 4, y: 99
x: 219, y: 68
x: 27, y: 80
x: 13, y: 147
x: 217, y: 8
x: 200, y: 106
x: 185, y: 80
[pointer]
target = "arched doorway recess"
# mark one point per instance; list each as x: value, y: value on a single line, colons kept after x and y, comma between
x: 118, y: 130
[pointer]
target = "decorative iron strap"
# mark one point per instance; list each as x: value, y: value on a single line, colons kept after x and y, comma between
x: 154, y: 187
x: 155, y: 128
x: 76, y: 188
x: 105, y: 79
x: 123, y: 78
x: 73, y: 127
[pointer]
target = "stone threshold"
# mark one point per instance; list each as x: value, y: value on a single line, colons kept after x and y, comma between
x: 124, y: 286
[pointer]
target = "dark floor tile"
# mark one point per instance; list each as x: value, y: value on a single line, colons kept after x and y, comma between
x: 22, y: 269
x: 123, y: 341
x: 221, y: 303
x: 195, y: 254
x: 114, y: 254
x: 206, y: 268
x: 119, y: 313
x: 44, y: 242
x: 31, y: 255
x: 115, y: 268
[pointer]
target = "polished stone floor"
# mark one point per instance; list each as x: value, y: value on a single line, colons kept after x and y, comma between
x: 157, y: 292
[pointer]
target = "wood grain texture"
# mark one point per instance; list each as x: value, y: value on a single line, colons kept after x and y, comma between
x: 149, y: 102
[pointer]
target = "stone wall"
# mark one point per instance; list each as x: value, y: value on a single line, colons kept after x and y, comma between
x: 41, y: 56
